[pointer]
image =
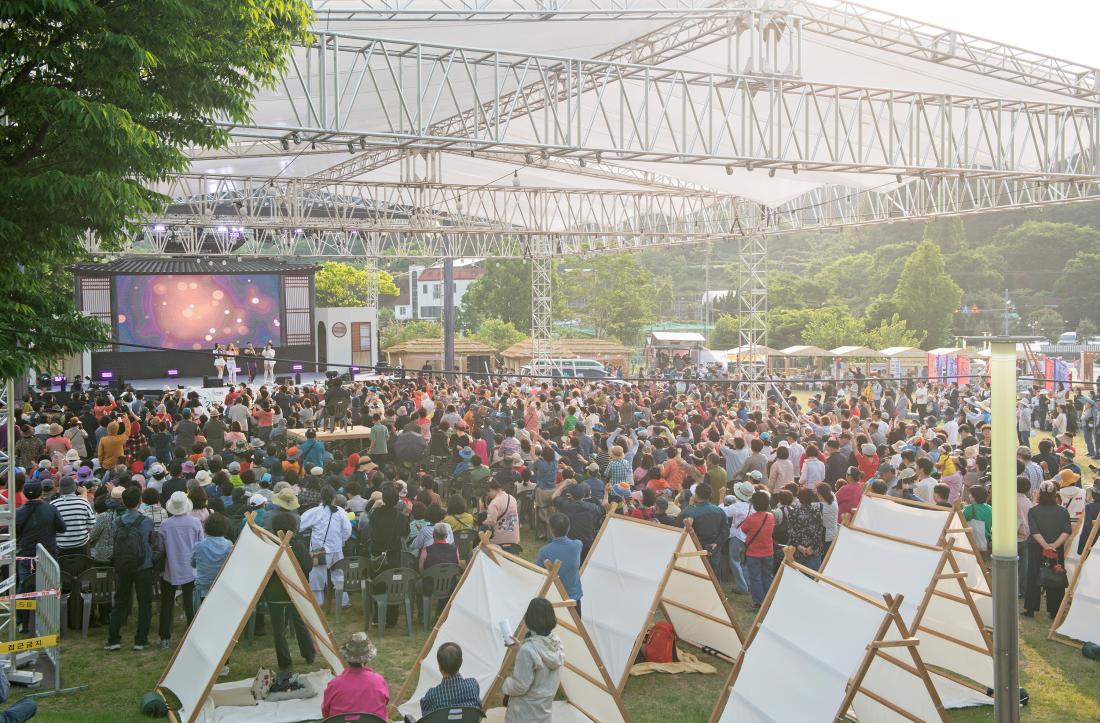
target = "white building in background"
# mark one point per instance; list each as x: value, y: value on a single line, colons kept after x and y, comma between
x: 421, y: 294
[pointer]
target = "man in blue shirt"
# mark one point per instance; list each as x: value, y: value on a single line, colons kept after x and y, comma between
x: 567, y: 552
x: 594, y: 481
x: 453, y: 690
x: 708, y: 520
x: 132, y: 575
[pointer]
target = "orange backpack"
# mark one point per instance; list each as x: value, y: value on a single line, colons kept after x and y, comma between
x: 660, y: 644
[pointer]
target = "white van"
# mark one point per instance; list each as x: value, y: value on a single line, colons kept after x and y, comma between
x: 568, y: 368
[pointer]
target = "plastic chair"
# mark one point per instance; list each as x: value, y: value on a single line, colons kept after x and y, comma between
x: 437, y: 583
x: 97, y: 587
x: 356, y: 574
x: 512, y: 548
x: 466, y: 541
x: 458, y: 714
x: 354, y: 718
x: 74, y: 564
x: 396, y: 586
x: 409, y: 560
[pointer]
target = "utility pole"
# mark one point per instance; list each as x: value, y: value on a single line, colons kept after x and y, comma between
x: 706, y: 294
x: 1006, y: 310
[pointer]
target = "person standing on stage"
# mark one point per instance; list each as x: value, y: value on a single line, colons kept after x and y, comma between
x: 231, y: 352
x: 249, y: 354
x: 269, y: 363
x: 219, y: 361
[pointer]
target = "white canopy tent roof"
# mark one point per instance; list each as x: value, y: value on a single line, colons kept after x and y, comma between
x: 846, y: 657
x: 929, y: 525
x: 1078, y: 616
x: 904, y: 352
x: 856, y: 352
x: 937, y: 608
x: 493, y: 593
x: 623, y: 590
x: 806, y: 350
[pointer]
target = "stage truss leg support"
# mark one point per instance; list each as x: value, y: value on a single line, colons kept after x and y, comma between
x: 448, y: 309
x: 8, y: 626
x: 541, y: 312
x: 370, y: 265
x: 752, y: 307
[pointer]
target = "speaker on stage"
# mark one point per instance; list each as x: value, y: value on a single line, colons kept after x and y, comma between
x: 284, y: 380
x: 211, y: 382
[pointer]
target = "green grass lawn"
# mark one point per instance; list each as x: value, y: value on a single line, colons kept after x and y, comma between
x: 1064, y: 686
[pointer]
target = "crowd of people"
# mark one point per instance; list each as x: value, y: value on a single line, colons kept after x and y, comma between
x: 159, y: 488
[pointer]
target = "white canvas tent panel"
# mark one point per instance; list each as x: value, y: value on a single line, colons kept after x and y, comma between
x: 495, y: 589
x: 620, y: 587
x: 217, y: 625
x: 822, y: 652
x: 1082, y: 619
x: 925, y: 525
x: 876, y: 565
x: 1072, y: 557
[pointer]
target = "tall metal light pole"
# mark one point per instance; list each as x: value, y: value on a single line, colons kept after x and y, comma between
x: 1006, y: 644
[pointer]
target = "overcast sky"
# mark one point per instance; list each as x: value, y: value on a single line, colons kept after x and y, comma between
x: 1062, y: 28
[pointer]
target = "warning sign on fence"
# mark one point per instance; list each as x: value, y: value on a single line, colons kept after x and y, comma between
x: 19, y: 646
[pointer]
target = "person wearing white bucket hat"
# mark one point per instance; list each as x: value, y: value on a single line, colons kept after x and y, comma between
x: 178, y: 536
x: 737, y: 512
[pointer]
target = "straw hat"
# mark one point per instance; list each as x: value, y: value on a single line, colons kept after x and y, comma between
x: 285, y: 499
x: 179, y: 504
x: 55, y: 429
x: 617, y: 452
x: 744, y: 491
x: 1067, y: 477
x: 72, y: 456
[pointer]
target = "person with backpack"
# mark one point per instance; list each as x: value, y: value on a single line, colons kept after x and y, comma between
x: 133, y: 563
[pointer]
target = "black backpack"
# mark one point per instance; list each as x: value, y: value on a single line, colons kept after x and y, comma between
x: 130, y: 544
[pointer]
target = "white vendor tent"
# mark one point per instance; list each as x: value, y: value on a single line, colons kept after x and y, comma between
x: 205, y: 648
x: 494, y: 593
x: 929, y: 525
x: 937, y: 608
x: 1078, y: 616
x: 1072, y: 558
x: 844, y: 653
x: 636, y: 568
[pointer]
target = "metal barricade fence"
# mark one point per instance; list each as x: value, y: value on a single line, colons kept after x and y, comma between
x: 47, y: 610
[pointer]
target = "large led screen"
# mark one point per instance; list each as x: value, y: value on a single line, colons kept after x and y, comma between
x: 197, y: 312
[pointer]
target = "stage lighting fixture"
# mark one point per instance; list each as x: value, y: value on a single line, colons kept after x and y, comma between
x: 355, y: 370
x: 222, y: 229
x: 285, y: 144
x: 897, y: 177
x: 298, y: 231
x: 794, y: 168
x: 58, y: 379
x: 729, y: 170
x: 351, y: 147
x: 771, y: 173
x: 160, y: 227
x: 295, y: 137
x: 749, y: 167
x: 172, y: 373
x: 362, y: 144
x: 296, y: 367
x: 106, y: 375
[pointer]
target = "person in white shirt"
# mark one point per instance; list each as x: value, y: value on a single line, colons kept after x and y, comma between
x: 797, y: 452
x: 951, y: 427
x: 737, y: 508
x: 329, y: 529
x: 269, y: 363
x: 926, y: 483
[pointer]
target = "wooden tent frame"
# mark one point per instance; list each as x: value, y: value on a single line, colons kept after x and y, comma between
x: 1074, y: 536
x: 574, y: 625
x: 947, y: 561
x: 687, y: 536
x: 876, y: 647
x: 1067, y: 599
x: 949, y: 529
x: 322, y: 638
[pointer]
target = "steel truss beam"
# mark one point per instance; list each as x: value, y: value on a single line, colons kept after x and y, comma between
x: 639, y: 112
x: 839, y: 19
x: 752, y: 319
x: 231, y: 218
x: 759, y: 53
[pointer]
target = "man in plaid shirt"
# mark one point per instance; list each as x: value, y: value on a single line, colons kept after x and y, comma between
x: 453, y: 691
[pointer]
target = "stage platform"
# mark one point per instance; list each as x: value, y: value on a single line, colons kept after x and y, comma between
x: 340, y: 435
x: 155, y: 386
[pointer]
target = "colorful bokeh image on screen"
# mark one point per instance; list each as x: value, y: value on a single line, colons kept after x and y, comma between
x: 197, y: 312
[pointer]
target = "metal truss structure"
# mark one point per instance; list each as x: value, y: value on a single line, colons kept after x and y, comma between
x: 600, y: 109
x: 752, y: 318
x: 355, y: 102
x: 7, y: 518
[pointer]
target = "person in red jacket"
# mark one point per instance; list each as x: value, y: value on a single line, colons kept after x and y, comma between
x: 866, y: 460
x: 758, y: 528
x: 850, y: 493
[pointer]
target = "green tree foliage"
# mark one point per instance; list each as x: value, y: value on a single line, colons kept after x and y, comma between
x: 832, y: 326
x: 504, y: 292
x: 99, y: 100
x: 621, y: 296
x: 795, y: 291
x: 1036, y: 252
x: 892, y: 332
x: 846, y: 278
x: 725, y: 334
x: 397, y: 332
x: 1076, y: 287
x: 976, y: 270
x: 1086, y: 329
x: 926, y: 297
x: 785, y: 326
x: 498, y: 334
x: 340, y: 284
x: 1046, y: 323
x: 947, y: 233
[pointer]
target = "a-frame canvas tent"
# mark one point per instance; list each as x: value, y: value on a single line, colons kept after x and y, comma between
x: 930, y: 525
x: 1078, y: 617
x: 1072, y: 558
x: 494, y: 592
x: 217, y: 625
x: 636, y: 568
x: 821, y: 651
x: 937, y: 607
